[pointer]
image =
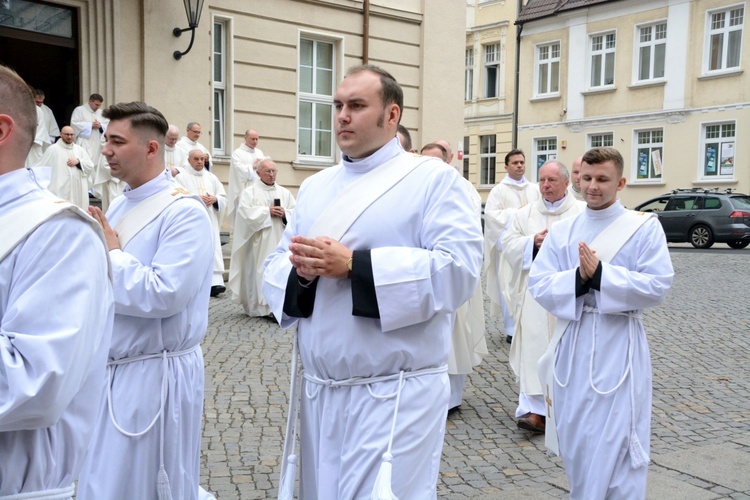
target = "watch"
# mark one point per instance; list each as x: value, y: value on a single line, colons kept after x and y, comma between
x: 349, y: 264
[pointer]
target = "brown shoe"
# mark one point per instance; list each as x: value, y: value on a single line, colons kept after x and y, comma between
x: 532, y: 422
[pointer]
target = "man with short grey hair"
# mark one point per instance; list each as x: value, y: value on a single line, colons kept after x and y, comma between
x: 534, y: 325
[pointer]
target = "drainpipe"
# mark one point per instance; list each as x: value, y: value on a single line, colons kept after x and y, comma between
x: 366, y: 31
x: 519, y: 30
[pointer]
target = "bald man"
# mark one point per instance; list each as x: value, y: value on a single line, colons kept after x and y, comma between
x: 70, y: 167
x: 242, y: 171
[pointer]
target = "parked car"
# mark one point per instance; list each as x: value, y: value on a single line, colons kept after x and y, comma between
x: 703, y: 216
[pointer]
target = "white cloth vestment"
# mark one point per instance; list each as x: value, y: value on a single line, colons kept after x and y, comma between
x: 202, y: 182
x: 602, y: 398
x: 185, y: 146
x: 56, y: 315
x: 41, y: 140
x: 51, y: 123
x: 576, y: 194
x: 502, y: 202
x: 468, y: 344
x: 69, y: 183
x: 241, y: 174
x: 534, y: 325
x: 88, y: 137
x: 162, y: 280
x: 256, y: 235
x: 106, y: 187
x: 425, y: 250
x: 174, y: 157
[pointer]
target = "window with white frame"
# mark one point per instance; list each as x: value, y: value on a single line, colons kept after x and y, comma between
x: 545, y: 148
x: 465, y: 152
x: 487, y: 159
x: 724, y: 39
x: 651, y: 50
x: 717, y: 144
x: 649, y: 154
x: 491, y: 69
x: 219, y: 85
x: 548, y: 68
x: 317, y: 76
x: 602, y: 69
x: 601, y: 140
x: 469, y: 75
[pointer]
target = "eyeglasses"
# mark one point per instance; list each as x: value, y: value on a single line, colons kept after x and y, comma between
x: 196, y: 132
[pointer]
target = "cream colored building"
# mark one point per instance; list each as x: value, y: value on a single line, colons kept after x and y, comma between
x: 665, y: 82
x: 268, y: 65
x: 489, y: 64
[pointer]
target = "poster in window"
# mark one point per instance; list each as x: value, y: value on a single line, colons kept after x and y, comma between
x: 642, y: 163
x: 656, y: 161
x: 727, y: 159
x: 711, y: 153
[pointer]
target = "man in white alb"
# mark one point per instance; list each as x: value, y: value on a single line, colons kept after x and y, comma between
x: 534, y: 326
x: 49, y: 117
x: 242, y: 171
x: 575, y: 179
x: 596, y: 273
x: 148, y: 436
x: 263, y: 212
x: 380, y: 252
x: 512, y: 193
x: 56, y: 314
x: 174, y: 158
x: 89, y: 126
x: 71, y: 166
x: 199, y: 181
x: 468, y: 344
x: 189, y: 141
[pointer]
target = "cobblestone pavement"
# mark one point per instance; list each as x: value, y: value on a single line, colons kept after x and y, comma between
x: 700, y: 445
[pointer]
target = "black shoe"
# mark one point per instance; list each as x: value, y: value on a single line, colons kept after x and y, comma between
x: 509, y: 338
x: 217, y: 289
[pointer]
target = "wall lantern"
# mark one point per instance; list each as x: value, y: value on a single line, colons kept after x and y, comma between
x: 193, y: 10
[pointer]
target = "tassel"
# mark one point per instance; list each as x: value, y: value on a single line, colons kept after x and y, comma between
x: 286, y: 492
x: 638, y: 457
x: 382, y: 488
x: 163, y: 489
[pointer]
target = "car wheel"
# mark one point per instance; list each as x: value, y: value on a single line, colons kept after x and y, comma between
x: 701, y: 237
x: 738, y: 244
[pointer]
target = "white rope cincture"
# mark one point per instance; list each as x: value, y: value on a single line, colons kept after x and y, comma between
x: 163, y: 488
x: 289, y: 458
x: 63, y: 493
x: 638, y: 456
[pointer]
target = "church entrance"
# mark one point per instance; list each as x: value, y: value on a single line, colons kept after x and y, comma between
x: 39, y: 41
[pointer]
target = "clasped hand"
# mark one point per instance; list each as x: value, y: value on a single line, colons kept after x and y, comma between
x: 588, y: 262
x: 321, y: 256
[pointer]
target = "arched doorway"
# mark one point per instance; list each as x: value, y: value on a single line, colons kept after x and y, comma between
x: 39, y: 40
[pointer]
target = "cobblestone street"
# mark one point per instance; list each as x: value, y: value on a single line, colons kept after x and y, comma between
x: 700, y: 445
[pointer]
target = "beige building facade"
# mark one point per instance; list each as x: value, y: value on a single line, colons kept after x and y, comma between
x: 665, y: 82
x: 268, y: 65
x: 489, y: 72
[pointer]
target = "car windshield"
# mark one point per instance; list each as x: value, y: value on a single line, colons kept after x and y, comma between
x: 741, y: 202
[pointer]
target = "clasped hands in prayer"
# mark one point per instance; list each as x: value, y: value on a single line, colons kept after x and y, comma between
x: 321, y: 256
x: 110, y: 235
x: 589, y: 262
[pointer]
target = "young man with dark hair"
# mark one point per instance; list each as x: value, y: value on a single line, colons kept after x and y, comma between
x: 596, y: 273
x: 148, y: 435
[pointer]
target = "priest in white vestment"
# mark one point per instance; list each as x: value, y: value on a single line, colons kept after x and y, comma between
x: 468, y: 343
x: 70, y: 165
x: 600, y: 393
x: 41, y: 140
x: 575, y: 179
x: 49, y: 117
x: 189, y: 142
x: 148, y: 437
x: 174, y: 157
x: 512, y: 193
x: 199, y: 181
x: 89, y: 125
x: 264, y: 209
x: 380, y: 252
x: 242, y: 171
x: 56, y: 313
x: 534, y: 326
